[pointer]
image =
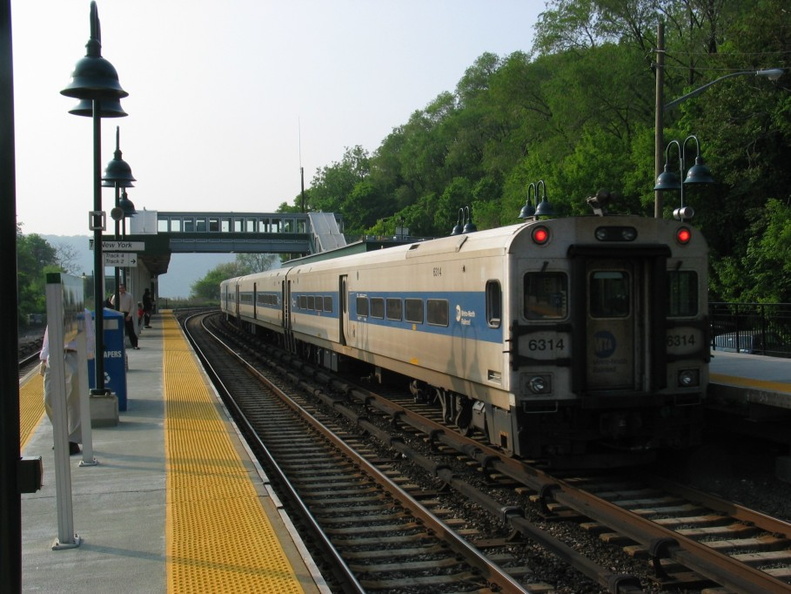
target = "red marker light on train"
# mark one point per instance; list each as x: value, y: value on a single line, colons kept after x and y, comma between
x: 683, y: 235
x: 540, y: 235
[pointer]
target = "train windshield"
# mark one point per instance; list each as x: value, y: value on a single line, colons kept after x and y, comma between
x: 682, y: 293
x: 545, y: 295
x: 609, y: 294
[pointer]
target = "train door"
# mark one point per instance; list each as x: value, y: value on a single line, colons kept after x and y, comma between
x: 342, y: 309
x: 288, y: 337
x: 614, y: 342
x: 236, y: 300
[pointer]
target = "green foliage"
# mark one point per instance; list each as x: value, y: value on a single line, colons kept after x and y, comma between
x: 766, y: 261
x: 35, y: 257
x: 577, y: 111
x: 208, y: 287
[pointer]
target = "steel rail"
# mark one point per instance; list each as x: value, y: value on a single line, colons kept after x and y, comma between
x: 322, y: 540
x: 492, y: 572
x: 660, y: 541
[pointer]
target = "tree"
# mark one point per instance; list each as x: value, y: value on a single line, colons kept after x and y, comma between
x: 208, y: 287
x: 67, y: 257
x: 766, y: 262
x: 332, y: 184
x: 251, y: 263
x: 35, y: 257
x: 577, y: 111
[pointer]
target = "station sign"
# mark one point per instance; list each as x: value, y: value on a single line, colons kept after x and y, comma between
x: 120, y: 259
x: 121, y: 246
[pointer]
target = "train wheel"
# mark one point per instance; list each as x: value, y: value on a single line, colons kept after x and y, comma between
x: 464, y: 415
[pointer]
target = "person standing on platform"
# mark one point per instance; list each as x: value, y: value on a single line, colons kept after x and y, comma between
x: 71, y: 362
x: 126, y: 305
x: 148, y: 306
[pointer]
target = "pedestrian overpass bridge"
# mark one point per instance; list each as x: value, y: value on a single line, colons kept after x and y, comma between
x: 161, y: 234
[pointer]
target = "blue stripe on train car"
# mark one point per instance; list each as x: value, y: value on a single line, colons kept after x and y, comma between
x: 465, y: 316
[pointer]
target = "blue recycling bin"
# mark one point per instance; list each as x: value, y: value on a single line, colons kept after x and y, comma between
x: 114, y: 357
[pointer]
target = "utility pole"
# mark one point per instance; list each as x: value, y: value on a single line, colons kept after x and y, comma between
x: 659, y: 122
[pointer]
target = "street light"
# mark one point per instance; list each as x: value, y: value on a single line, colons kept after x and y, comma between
x: 771, y: 74
x: 544, y: 208
x: 528, y: 210
x: 95, y: 80
x: 464, y: 222
x: 698, y: 174
x: 661, y: 107
x: 117, y: 174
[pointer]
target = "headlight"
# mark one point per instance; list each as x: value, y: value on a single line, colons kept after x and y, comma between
x: 539, y: 384
x: 688, y: 378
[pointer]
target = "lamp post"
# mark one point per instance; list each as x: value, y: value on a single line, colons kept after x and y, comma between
x: 698, y: 174
x: 127, y: 210
x: 528, y: 210
x: 95, y: 80
x: 118, y: 175
x: 543, y: 208
x: 464, y: 222
x: 661, y: 107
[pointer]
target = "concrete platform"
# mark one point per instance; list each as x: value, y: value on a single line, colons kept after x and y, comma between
x: 757, y: 390
x: 122, y: 505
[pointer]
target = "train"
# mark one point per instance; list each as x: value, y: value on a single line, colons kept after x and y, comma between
x: 574, y: 341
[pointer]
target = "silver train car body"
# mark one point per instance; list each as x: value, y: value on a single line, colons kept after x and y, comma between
x: 575, y: 341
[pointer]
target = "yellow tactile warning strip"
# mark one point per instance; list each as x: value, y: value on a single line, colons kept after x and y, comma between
x: 31, y: 407
x: 744, y: 382
x: 219, y: 538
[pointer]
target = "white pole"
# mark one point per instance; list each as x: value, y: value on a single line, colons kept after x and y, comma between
x: 56, y: 378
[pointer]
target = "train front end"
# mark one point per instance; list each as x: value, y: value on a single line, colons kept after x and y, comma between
x: 608, y: 340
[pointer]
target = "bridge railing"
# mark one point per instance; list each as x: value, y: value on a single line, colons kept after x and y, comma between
x: 758, y: 328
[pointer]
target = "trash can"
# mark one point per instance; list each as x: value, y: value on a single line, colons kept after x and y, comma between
x: 114, y: 357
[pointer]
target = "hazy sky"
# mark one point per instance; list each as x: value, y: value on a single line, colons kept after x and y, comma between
x: 228, y: 99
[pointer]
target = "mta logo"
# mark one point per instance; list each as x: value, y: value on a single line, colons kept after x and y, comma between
x: 604, y: 344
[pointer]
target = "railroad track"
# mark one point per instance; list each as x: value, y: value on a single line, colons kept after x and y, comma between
x: 378, y: 536
x: 691, y: 540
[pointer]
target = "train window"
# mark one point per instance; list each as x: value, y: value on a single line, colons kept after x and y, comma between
x: 162, y: 225
x: 319, y: 303
x: 303, y: 302
x: 545, y: 295
x: 328, y: 303
x: 413, y: 310
x: 362, y: 306
x: 200, y: 225
x: 377, y: 307
x: 494, y: 303
x: 189, y: 226
x: 682, y: 293
x: 394, y: 309
x: 225, y: 225
x: 214, y: 224
x: 437, y: 312
x: 311, y: 302
x: 609, y: 294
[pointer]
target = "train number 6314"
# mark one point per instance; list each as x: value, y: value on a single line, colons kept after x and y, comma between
x: 546, y: 344
x: 678, y: 340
